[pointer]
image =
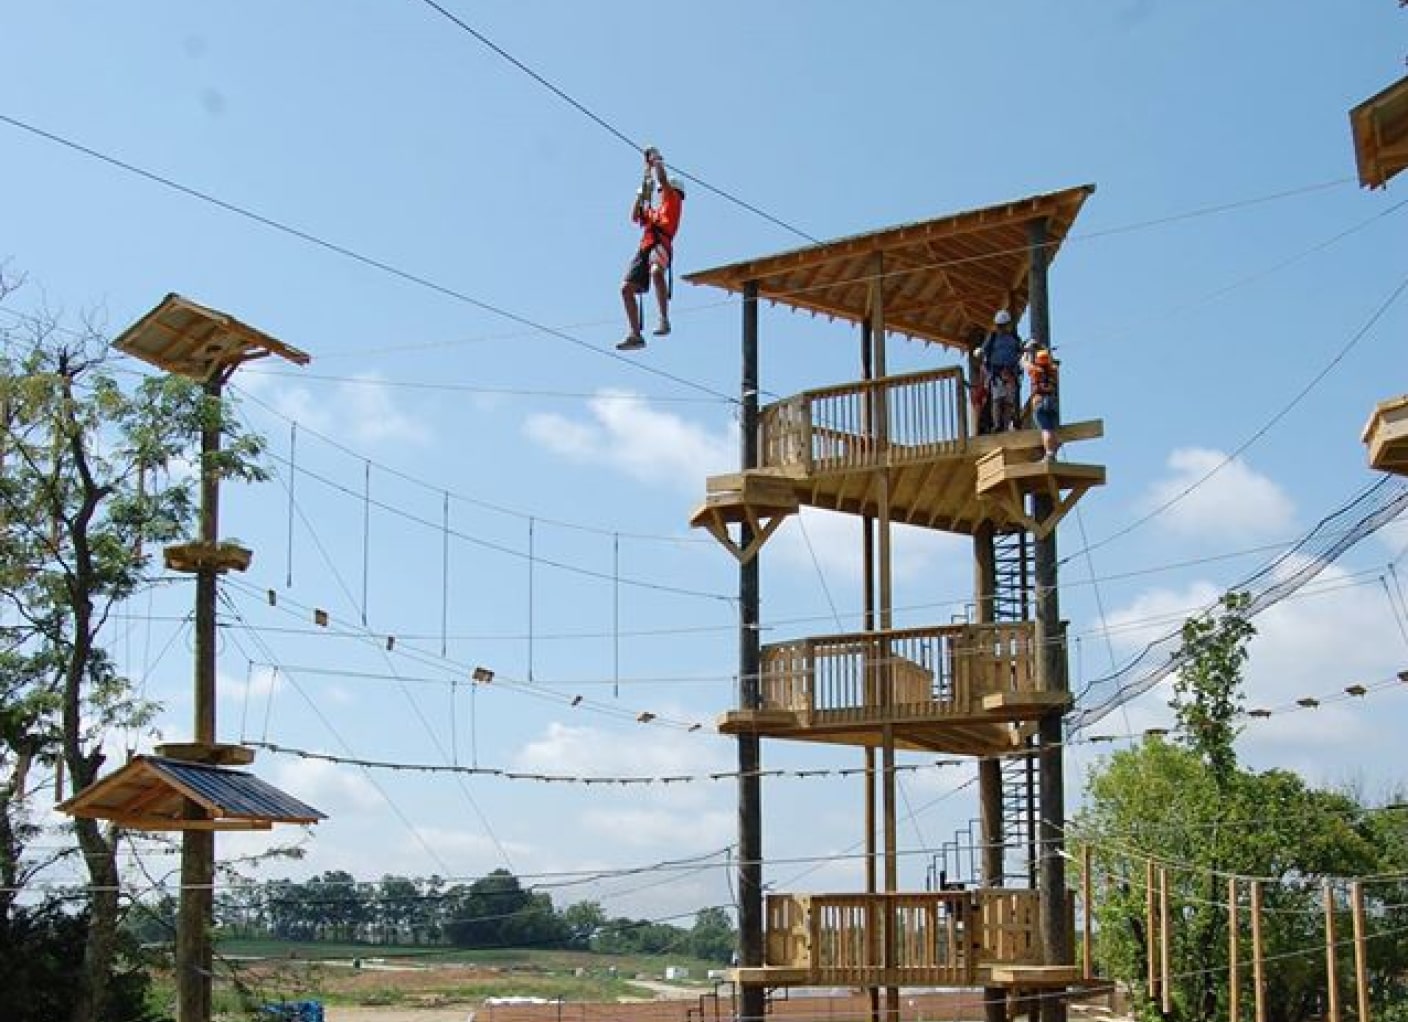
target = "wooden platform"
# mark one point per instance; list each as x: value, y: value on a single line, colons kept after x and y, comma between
x: 1386, y: 436
x: 951, y: 938
x: 959, y: 737
x: 933, y: 489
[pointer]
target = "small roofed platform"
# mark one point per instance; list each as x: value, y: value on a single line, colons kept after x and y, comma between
x: 1007, y: 476
x: 941, y: 279
x: 1380, y: 126
x: 159, y: 793
x: 189, y: 339
x: 1386, y: 435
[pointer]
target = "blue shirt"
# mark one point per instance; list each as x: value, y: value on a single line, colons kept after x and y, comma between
x: 1002, y: 350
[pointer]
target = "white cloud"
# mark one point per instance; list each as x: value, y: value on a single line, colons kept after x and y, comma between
x: 332, y: 788
x: 835, y: 539
x: 626, y: 434
x: 363, y: 409
x: 373, y: 415
x: 1235, y: 502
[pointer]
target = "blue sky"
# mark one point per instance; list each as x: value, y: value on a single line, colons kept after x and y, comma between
x: 1227, y: 257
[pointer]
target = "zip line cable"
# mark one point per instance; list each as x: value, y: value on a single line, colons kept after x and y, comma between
x: 354, y: 255
x: 603, y: 123
x: 1265, y: 428
x: 486, y: 544
x: 438, y: 489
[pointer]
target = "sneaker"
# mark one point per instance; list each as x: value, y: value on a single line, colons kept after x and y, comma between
x: 663, y: 328
x: 633, y: 342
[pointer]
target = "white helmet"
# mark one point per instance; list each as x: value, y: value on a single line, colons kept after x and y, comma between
x: 1002, y: 318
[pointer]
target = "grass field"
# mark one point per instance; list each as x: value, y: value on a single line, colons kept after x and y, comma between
x: 252, y: 972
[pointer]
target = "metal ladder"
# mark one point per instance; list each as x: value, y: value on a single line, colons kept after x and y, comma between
x: 1013, y: 574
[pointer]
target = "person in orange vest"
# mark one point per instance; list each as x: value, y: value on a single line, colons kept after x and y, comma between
x: 651, y: 263
x: 1045, y: 376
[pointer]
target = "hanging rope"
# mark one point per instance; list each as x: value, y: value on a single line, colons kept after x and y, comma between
x: 366, y: 532
x: 616, y: 615
x: 444, y: 572
x: 292, y: 478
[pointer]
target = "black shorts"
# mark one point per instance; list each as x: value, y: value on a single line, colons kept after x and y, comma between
x: 638, y: 273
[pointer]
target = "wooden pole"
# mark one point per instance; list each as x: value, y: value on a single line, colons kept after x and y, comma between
x: 1332, y: 978
x: 1361, y: 957
x: 1151, y: 922
x: 1234, y: 965
x: 1088, y: 912
x: 989, y: 769
x: 195, y: 910
x: 872, y: 851
x: 1051, y: 674
x: 750, y: 811
x: 1164, y: 941
x: 1258, y: 965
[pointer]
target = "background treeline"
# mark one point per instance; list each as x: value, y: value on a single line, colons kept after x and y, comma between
x: 495, y: 911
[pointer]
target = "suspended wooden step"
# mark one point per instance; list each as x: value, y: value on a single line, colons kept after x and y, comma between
x: 740, y: 499
x: 195, y: 555
x: 163, y: 793
x: 1386, y: 435
x: 1006, y: 477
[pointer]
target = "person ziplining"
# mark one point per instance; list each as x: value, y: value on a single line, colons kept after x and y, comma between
x: 651, y: 263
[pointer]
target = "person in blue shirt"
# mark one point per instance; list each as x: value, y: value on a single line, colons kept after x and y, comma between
x: 1002, y: 371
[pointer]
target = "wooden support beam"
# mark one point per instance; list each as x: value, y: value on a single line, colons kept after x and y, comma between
x: 1258, y: 962
x: 1234, y: 965
x: 1332, y: 978
x: 1361, y: 950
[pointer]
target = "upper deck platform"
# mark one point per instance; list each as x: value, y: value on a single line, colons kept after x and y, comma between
x: 833, y: 447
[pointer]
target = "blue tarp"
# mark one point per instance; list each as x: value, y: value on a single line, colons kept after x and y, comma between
x: 293, y: 1011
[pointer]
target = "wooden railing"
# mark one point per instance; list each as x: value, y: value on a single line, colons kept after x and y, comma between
x: 912, y: 672
x: 936, y: 938
x: 889, y: 421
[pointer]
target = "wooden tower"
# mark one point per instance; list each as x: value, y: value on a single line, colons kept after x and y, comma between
x: 905, y: 449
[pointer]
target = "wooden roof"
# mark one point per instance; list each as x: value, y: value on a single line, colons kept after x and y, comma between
x: 1380, y: 127
x: 943, y: 278
x: 192, y: 340
x: 153, y: 793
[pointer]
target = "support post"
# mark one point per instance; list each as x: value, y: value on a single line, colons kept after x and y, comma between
x: 1234, y: 965
x: 195, y: 910
x: 1151, y: 920
x: 1051, y: 664
x: 1258, y: 965
x: 989, y: 769
x: 1361, y: 950
x: 1332, y: 972
x: 1087, y: 914
x: 750, y: 813
x: 1165, y: 970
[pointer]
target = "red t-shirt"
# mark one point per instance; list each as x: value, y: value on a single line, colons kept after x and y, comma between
x: 661, y: 222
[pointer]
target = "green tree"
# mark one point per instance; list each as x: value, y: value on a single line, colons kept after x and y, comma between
x: 1188, y: 805
x: 86, y: 493
x: 583, y: 919
x: 713, y: 937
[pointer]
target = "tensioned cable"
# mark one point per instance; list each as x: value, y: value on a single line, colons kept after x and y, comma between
x: 354, y: 255
x: 486, y: 544
x: 477, y: 502
x: 603, y: 123
x: 1266, y: 427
